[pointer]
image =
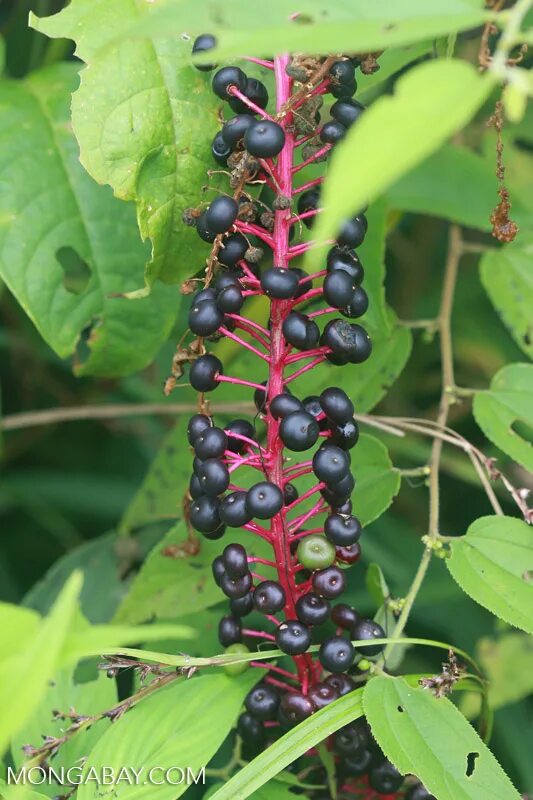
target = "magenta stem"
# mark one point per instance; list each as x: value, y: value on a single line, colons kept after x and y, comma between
x: 260, y: 61
x: 258, y: 634
x: 308, y: 185
x: 306, y: 496
x: 247, y: 345
x: 306, y: 215
x: 254, y: 230
x: 239, y: 381
x: 318, y: 351
x: 311, y: 159
x: 252, y: 106
x: 322, y: 311
x: 318, y: 508
x: 302, y: 370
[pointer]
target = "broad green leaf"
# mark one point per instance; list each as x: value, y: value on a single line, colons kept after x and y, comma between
x: 18, y: 628
x: 66, y: 245
x: 104, y: 561
x: 160, y: 495
x: 377, y: 482
x: 168, y: 730
x: 274, y: 790
x: 376, y: 584
x: 430, y: 738
x: 170, y: 587
x: 144, y: 119
x: 493, y: 563
x: 507, y: 663
x: 318, y: 27
x: 466, y: 191
x: 63, y: 694
x: 24, y: 675
x: 12, y: 792
x: 507, y: 405
x: 507, y: 277
x: 438, y: 97
x: 391, y: 61
x: 291, y: 745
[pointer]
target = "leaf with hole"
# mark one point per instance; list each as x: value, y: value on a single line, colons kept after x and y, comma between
x: 136, y: 117
x: 508, y: 280
x: 504, y: 412
x: 438, y: 96
x: 431, y: 739
x: 67, y: 246
x: 493, y: 563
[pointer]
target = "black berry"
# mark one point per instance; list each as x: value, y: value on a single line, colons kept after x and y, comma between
x: 202, y: 43
x: 299, y: 431
x: 293, y: 637
x: 211, y: 443
x: 269, y: 597
x: 221, y: 214
x: 336, y: 654
x: 235, y: 560
x: 342, y: 530
x: 264, y: 500
x: 279, y: 283
x: 264, y: 139
x: 296, y: 707
x: 226, y: 77
x: 329, y: 582
x: 233, y: 511
x: 229, y: 631
x: 262, y: 702
x: 312, y: 609
x: 366, y: 630
x: 204, y: 371
x: 344, y: 616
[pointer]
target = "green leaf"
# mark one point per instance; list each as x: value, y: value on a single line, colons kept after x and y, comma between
x: 376, y: 584
x: 64, y: 694
x: 319, y: 27
x: 506, y: 276
x: 136, y: 116
x: 506, y: 406
x: 12, y: 792
x: 493, y: 563
x: 291, y: 745
x: 171, y: 587
x: 24, y: 674
x: 166, y: 730
x: 66, y: 245
x: 430, y: 738
x: 467, y: 191
x: 507, y: 663
x: 438, y: 97
x: 103, y: 562
x: 377, y: 482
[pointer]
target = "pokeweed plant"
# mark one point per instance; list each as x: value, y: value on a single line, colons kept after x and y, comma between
x: 314, y: 698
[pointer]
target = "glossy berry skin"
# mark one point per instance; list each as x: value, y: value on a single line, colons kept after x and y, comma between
x: 330, y: 464
x: 269, y: 597
x: 204, y: 514
x: 202, y: 43
x: 198, y: 423
x: 359, y: 762
x: 241, y: 606
x: 341, y: 682
x: 340, y: 258
x: 343, y: 83
x: 299, y: 431
x: 346, y: 435
x: 211, y: 443
x: 195, y: 487
x: 293, y: 637
x: 290, y: 494
x: 218, y: 569
x: 336, y: 405
x: 296, y: 707
x: 385, y: 778
x: 419, y: 792
x: 250, y: 729
x: 234, y: 129
x: 347, y: 111
x: 226, y: 77
x: 366, y: 630
x: 235, y: 560
x: 236, y: 588
x: 322, y: 694
x: 229, y: 631
x: 255, y: 91
x: 221, y: 214
x: 336, y: 654
x: 300, y: 331
x: 205, y: 234
x: 205, y: 318
x: 329, y: 583
x: 348, y: 555
x: 279, y: 283
x: 312, y: 609
x: 220, y: 150
x: 352, y: 233
x: 213, y: 477
x: 262, y: 702
x: 233, y: 511
x: 308, y: 201
x: 332, y: 132
x: 349, y: 342
x: 358, y: 304
x: 353, y: 738
x: 233, y: 249
x: 344, y: 616
x: 339, y: 288
x: 284, y: 404
x: 205, y: 294
x: 239, y: 427
x: 340, y: 493
x: 315, y: 552
x: 342, y: 530
x: 260, y: 398
x: 203, y: 372
x: 264, y: 139
x: 264, y: 500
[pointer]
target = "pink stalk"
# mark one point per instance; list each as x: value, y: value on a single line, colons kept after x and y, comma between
x: 305, y: 496
x: 243, y: 343
x: 302, y: 370
x: 311, y: 159
x: 252, y: 106
x: 309, y: 185
x: 322, y: 311
x: 258, y: 634
x: 306, y: 215
x: 254, y: 230
x: 318, y: 351
x: 239, y: 381
x: 318, y: 508
x: 274, y: 668
x: 260, y: 61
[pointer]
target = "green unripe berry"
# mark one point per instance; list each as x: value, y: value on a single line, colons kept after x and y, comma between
x: 363, y: 664
x: 239, y: 668
x: 316, y: 552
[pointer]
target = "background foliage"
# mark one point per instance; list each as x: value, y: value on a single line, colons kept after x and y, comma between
x: 92, y: 192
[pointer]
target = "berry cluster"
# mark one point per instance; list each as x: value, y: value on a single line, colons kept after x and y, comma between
x: 313, y: 533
